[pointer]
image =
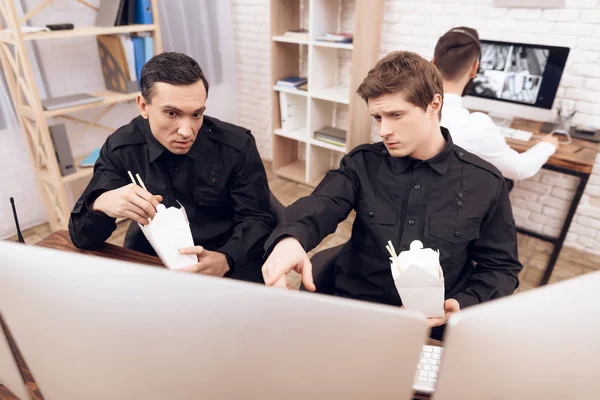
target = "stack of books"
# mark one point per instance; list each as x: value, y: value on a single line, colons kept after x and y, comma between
x: 291, y: 82
x: 301, y: 34
x: 336, y: 37
x: 331, y: 135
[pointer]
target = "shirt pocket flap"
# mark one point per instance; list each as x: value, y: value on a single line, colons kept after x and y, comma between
x: 454, y: 230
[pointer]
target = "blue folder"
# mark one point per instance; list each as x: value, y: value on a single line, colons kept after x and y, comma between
x: 143, y: 12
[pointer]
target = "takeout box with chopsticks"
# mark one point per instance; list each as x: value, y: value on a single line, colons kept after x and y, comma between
x: 168, y: 232
x: 419, y: 278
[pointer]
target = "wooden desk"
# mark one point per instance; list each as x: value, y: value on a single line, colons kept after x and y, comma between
x: 60, y: 240
x: 576, y: 159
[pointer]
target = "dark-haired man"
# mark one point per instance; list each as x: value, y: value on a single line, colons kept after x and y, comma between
x: 414, y: 185
x: 211, y: 167
x: 457, y: 58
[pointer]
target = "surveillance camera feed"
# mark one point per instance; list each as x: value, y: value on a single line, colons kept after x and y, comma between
x: 510, y: 72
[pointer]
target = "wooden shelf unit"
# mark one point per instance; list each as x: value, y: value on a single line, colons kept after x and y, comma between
x: 297, y: 155
x: 27, y: 103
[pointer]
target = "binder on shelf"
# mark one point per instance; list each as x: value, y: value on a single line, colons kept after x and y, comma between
x: 140, y: 55
x: 148, y: 48
x: 116, y: 12
x: 62, y: 149
x: 115, y: 65
x: 143, y: 12
x: 292, y: 111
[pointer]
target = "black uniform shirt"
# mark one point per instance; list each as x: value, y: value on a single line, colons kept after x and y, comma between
x: 455, y: 202
x: 221, y: 182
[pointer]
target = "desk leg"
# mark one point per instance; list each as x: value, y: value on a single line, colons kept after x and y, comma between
x: 565, y: 228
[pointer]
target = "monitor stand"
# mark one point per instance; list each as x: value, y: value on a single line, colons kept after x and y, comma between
x: 501, y: 120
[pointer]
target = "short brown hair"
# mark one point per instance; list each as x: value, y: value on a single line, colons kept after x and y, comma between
x: 406, y: 72
x: 456, y: 51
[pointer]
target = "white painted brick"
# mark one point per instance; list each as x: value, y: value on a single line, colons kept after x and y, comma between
x: 587, y: 242
x: 585, y: 119
x: 491, y: 12
x: 593, y: 223
x: 581, y: 4
x: 592, y: 16
x: 527, y: 205
x: 558, y: 40
x: 521, y: 213
x: 553, y: 231
x: 584, y: 56
x: 581, y: 94
x: 474, y: 22
x: 554, y: 202
x: 561, y: 14
x: 554, y: 213
x: 520, y: 37
x: 525, y: 195
x: 399, y: 6
x: 413, y: 19
x: 545, y: 220
x: 592, y: 190
x: 528, y: 224
x: 589, y: 44
x: 563, y: 194
x: 588, y: 108
x: 571, y: 81
x: 463, y: 10
x: 399, y: 29
x: 582, y: 230
x: 391, y: 18
x: 525, y: 13
x: 573, y: 28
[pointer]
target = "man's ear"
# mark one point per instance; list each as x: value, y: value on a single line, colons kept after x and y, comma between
x: 435, y: 106
x: 433, y: 60
x: 474, y: 69
x: 142, y: 106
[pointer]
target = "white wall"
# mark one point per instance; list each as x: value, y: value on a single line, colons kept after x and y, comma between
x: 539, y: 203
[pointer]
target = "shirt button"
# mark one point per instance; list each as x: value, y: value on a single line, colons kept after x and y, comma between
x: 213, y: 180
x: 460, y: 153
x: 175, y: 169
x: 460, y: 195
x: 459, y: 203
x: 417, y: 186
x: 457, y: 234
x: 213, y: 174
x: 371, y: 214
x: 411, y: 221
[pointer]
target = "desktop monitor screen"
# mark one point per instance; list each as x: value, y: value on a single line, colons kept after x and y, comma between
x: 519, y: 73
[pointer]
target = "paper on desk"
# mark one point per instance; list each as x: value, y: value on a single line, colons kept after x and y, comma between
x: 419, y: 279
x: 168, y: 232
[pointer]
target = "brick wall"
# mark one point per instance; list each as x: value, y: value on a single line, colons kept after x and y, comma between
x: 539, y: 203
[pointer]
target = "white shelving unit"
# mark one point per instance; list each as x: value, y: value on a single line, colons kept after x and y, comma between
x: 297, y: 155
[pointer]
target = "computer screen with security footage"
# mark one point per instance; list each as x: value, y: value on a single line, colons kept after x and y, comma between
x: 519, y: 73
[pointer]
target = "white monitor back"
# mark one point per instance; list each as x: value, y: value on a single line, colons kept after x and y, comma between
x: 9, y: 371
x: 504, y: 110
x: 93, y: 328
x: 541, y: 344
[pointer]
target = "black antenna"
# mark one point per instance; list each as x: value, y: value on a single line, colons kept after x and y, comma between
x: 19, y: 234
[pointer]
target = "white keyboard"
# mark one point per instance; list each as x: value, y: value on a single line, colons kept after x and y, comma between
x: 427, y: 370
x: 516, y: 134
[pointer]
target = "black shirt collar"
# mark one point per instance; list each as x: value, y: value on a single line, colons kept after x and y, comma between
x: 439, y: 163
x: 155, y: 149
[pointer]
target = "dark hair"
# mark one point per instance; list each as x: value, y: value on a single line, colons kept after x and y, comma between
x: 172, y: 68
x: 456, y: 51
x: 406, y: 72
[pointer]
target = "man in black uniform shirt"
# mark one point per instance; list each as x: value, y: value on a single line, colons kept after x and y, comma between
x: 415, y: 185
x: 211, y: 167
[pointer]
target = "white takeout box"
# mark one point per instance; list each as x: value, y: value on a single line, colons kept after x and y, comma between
x: 419, y: 280
x: 168, y: 232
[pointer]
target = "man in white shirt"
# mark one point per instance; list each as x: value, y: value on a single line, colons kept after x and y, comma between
x: 457, y: 58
